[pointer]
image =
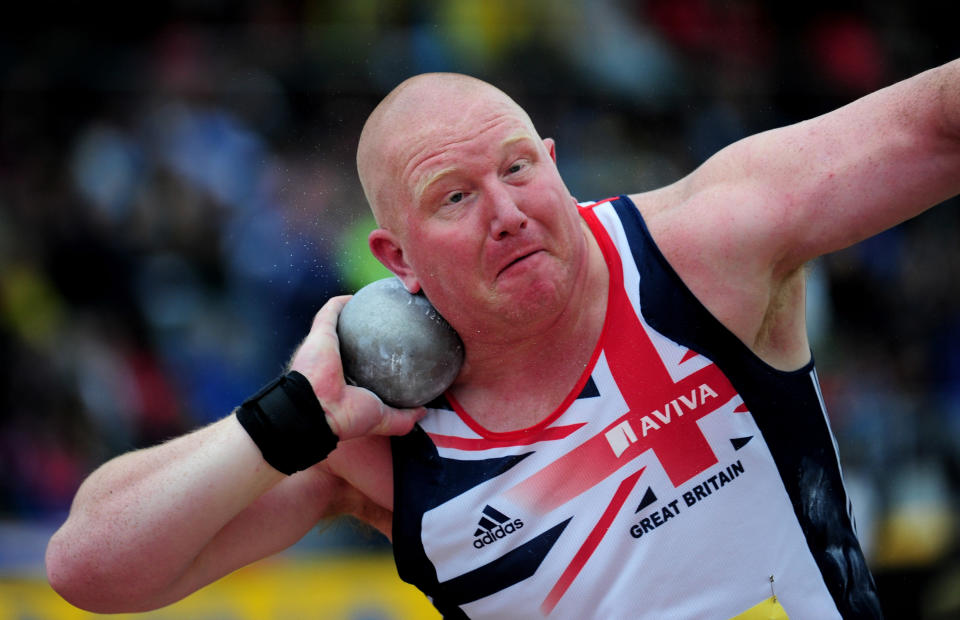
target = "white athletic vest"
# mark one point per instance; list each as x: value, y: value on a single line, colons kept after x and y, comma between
x: 682, y: 478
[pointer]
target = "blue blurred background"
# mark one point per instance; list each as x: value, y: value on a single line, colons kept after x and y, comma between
x: 178, y: 197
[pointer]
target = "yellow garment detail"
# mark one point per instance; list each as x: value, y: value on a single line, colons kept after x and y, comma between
x: 770, y: 609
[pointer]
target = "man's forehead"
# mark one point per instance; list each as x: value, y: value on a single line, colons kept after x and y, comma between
x: 459, y: 119
x: 447, y: 105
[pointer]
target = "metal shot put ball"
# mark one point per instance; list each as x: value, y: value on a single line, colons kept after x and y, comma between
x: 397, y: 345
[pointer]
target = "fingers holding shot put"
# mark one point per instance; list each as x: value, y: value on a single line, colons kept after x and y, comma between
x: 351, y: 411
x: 318, y: 356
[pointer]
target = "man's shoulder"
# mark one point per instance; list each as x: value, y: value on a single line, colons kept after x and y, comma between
x: 658, y: 205
x: 712, y: 238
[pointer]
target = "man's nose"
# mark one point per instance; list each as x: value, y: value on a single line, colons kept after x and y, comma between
x: 507, y: 217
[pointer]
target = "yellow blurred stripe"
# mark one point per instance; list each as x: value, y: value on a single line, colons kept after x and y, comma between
x: 350, y: 588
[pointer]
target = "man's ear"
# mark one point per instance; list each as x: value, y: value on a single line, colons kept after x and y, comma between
x: 388, y: 251
x: 551, y: 148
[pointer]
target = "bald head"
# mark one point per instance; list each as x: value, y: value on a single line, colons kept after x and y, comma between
x: 401, y: 123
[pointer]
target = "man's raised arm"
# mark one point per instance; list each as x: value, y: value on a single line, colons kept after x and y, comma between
x: 739, y: 228
x: 818, y: 186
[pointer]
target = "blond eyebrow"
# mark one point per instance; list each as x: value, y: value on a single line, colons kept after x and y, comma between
x: 517, y: 137
x: 433, y: 178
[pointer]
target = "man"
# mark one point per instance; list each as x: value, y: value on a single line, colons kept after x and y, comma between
x: 637, y: 429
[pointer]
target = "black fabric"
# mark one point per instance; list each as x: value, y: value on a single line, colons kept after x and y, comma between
x: 288, y: 424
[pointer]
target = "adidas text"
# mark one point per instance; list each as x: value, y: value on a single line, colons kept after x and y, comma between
x: 501, y: 531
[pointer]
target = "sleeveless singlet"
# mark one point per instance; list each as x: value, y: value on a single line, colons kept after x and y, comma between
x: 682, y: 478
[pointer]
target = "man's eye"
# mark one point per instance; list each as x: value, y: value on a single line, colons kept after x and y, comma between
x: 455, y: 197
x: 518, y: 166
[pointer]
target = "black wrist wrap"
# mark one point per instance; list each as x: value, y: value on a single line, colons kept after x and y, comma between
x: 288, y: 424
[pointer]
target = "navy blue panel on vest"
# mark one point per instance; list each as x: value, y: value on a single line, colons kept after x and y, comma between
x: 786, y: 408
x: 507, y: 570
x: 432, y: 481
x: 440, y: 402
x: 589, y: 390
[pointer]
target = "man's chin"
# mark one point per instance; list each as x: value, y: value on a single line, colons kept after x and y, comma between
x: 531, y: 300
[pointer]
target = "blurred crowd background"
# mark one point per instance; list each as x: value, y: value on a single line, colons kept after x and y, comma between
x: 178, y: 197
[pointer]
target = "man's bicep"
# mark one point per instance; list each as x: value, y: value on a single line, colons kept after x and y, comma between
x: 826, y: 183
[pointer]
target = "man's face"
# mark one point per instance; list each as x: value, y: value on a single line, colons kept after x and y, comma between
x: 487, y: 227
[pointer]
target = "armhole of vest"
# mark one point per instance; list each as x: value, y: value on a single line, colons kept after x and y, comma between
x: 661, y: 316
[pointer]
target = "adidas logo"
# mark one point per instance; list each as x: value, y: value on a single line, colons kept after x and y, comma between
x: 494, y: 525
